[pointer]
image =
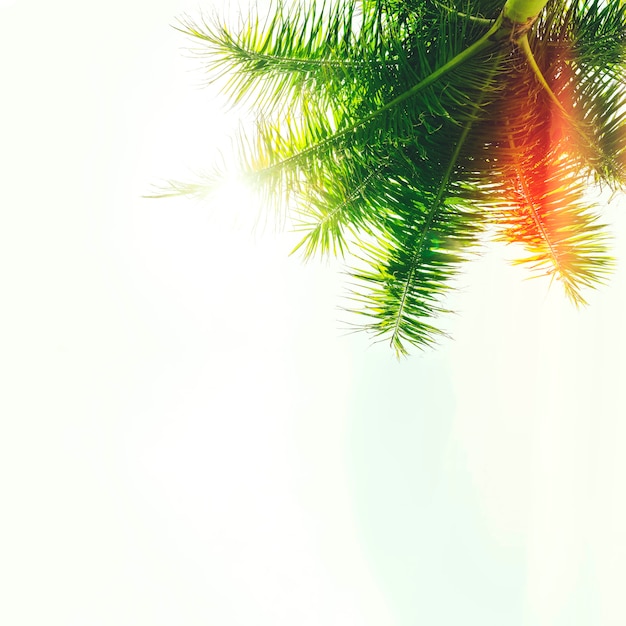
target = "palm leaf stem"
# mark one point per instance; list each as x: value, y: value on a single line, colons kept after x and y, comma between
x: 524, y: 46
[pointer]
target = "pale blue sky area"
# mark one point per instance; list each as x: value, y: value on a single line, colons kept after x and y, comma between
x: 188, y: 438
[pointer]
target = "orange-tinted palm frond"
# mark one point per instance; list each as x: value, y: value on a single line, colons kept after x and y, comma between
x: 544, y: 207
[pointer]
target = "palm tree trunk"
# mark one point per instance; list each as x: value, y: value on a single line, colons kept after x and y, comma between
x: 522, y: 12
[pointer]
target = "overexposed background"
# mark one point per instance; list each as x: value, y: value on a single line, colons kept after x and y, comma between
x: 187, y: 436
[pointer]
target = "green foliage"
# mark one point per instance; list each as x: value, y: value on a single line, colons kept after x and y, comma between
x: 395, y: 131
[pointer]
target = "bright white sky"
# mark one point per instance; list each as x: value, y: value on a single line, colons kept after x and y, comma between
x: 188, y: 439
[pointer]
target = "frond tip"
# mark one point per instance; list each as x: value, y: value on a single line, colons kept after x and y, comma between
x: 175, y: 188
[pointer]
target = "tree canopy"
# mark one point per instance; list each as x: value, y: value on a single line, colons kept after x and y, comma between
x: 396, y: 132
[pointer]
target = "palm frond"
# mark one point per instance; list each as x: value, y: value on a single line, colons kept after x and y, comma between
x: 550, y: 216
x: 344, y: 206
x: 314, y: 49
x: 598, y: 34
x: 590, y: 84
x: 402, y: 278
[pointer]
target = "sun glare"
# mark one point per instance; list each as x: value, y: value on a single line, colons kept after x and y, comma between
x: 237, y: 205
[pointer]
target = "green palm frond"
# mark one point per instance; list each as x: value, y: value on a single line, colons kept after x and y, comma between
x: 314, y: 50
x: 276, y: 60
x: 403, y: 276
x: 598, y: 37
x: 395, y: 131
